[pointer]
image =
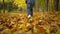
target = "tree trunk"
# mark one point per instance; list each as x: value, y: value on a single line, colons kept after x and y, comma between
x: 46, y: 5
x: 56, y: 4
x: 3, y: 6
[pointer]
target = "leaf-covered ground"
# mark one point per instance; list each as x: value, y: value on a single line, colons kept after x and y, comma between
x: 40, y: 23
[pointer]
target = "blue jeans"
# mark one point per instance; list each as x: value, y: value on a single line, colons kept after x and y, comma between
x: 30, y: 9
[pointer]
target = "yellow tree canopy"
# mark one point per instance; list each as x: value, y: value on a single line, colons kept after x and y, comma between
x: 20, y: 3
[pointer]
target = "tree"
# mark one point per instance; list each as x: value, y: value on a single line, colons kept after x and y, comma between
x: 56, y: 4
x: 3, y: 6
x: 8, y: 5
x: 46, y: 5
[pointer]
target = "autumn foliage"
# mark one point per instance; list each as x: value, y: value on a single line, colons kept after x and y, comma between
x: 39, y: 23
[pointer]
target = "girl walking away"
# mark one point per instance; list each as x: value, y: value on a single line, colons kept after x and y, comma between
x: 30, y: 5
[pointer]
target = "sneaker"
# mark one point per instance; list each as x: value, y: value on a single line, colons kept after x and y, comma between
x: 29, y: 16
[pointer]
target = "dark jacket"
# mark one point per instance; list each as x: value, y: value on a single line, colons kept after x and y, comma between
x: 31, y: 2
